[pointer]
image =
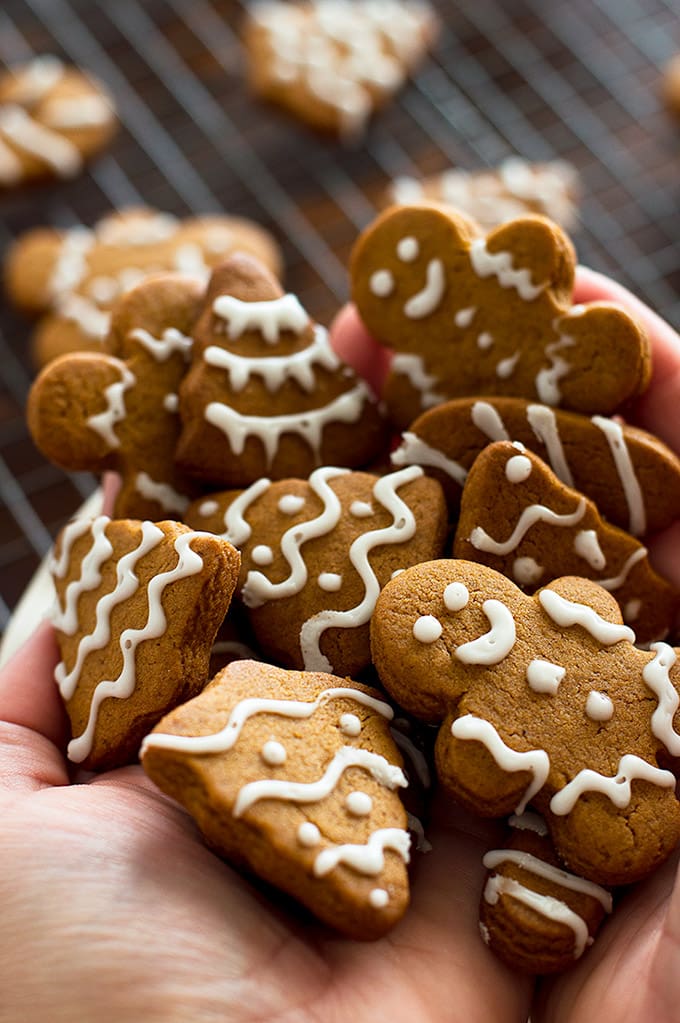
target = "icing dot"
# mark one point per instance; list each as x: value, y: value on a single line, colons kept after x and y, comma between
x: 464, y: 317
x: 308, y: 834
x: 427, y: 629
x: 484, y: 341
x: 350, y: 725
x: 208, y: 508
x: 262, y: 554
x: 408, y: 249
x: 273, y: 753
x: 378, y: 898
x: 359, y: 803
x: 598, y: 706
x: 381, y: 283
x: 329, y: 581
x: 526, y: 571
x: 290, y: 504
x: 632, y: 610
x: 518, y: 468
x: 456, y: 597
x: 506, y: 367
x: 171, y: 402
x: 360, y: 509
x: 544, y: 676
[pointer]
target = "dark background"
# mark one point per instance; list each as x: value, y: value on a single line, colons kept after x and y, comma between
x: 577, y: 79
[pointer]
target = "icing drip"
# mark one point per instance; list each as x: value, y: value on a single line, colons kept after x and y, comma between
x: 624, y: 467
x: 171, y: 340
x: 94, y: 322
x: 532, y: 514
x: 618, y: 580
x: 189, y: 563
x: 90, y: 576
x: 346, y: 408
x: 535, y: 761
x: 499, y: 265
x: 269, y: 318
x: 275, y: 370
x: 236, y: 530
x: 546, y: 905
x: 542, y: 421
x: 381, y: 283
x: 656, y: 675
x: 258, y: 589
x: 71, y: 263
x: 535, y: 865
x: 401, y: 530
x: 528, y: 821
x: 367, y: 859
x: 427, y: 629
x: 28, y: 135
x: 75, y: 529
x: 456, y: 596
x: 486, y: 418
x: 506, y: 367
x: 544, y: 676
x: 222, y: 741
x: 427, y: 301
x: 566, y: 613
x: 495, y: 645
x: 587, y: 546
x: 413, y: 367
x: 104, y: 422
x: 378, y: 767
x: 616, y: 788
x: 599, y: 707
x: 169, y: 499
x: 526, y: 571
x: 547, y: 379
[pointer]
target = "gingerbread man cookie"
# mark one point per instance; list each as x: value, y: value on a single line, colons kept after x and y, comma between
x: 469, y: 315
x: 632, y: 477
x: 73, y: 278
x: 266, y: 395
x: 138, y: 606
x: 542, y: 700
x: 52, y: 119
x: 536, y: 916
x: 316, y: 553
x: 295, y: 776
x: 516, y: 517
x: 333, y: 63
x: 496, y: 195
x: 97, y: 411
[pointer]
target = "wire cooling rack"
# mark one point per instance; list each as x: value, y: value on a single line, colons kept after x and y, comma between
x: 578, y: 80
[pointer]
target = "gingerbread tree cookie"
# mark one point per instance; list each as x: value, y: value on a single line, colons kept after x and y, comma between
x: 469, y: 315
x: 516, y: 517
x: 52, y: 119
x: 265, y: 394
x: 99, y: 411
x: 138, y: 606
x: 632, y: 477
x: 542, y: 700
x: 296, y: 776
x: 316, y: 553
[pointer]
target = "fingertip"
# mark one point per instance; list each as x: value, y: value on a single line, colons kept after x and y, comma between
x: 359, y: 349
x: 29, y: 696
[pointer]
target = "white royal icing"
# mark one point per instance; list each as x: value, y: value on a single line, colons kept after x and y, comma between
x: 291, y: 504
x: 506, y: 367
x: 350, y: 725
x: 567, y: 612
x: 359, y: 804
x: 378, y: 898
x: 616, y: 788
x: 427, y: 301
x: 656, y: 675
x: 599, y: 707
x: 104, y: 422
x: 464, y: 317
x: 530, y: 515
x: 495, y: 645
x: 528, y: 821
x: 500, y: 265
x: 545, y: 905
x: 408, y: 249
x: 624, y: 467
x: 518, y: 468
x: 367, y: 859
x: 19, y: 128
x: 273, y: 753
x: 262, y: 554
x: 207, y: 508
x: 486, y: 418
x: 456, y: 596
x: 544, y: 676
x: 66, y: 619
x: 618, y: 580
x: 269, y: 318
x: 587, y: 546
x: 361, y: 509
x: 381, y: 283
x: 534, y: 865
x: 427, y: 629
x: 526, y: 571
x: 413, y: 367
x: 542, y: 421
x: 67, y: 112
x: 35, y: 79
x: 169, y: 499
x: 236, y: 529
x: 73, y: 531
x: 331, y: 582
x: 171, y: 340
x: 484, y: 340
x: 547, y: 379
x: 415, y: 451
x: 308, y: 835
x: 276, y: 370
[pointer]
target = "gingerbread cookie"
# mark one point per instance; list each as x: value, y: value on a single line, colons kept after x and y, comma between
x: 542, y: 700
x: 138, y: 606
x: 496, y: 195
x: 73, y: 278
x: 468, y: 315
x: 316, y: 553
x: 536, y: 916
x: 333, y: 63
x: 52, y: 119
x: 118, y: 409
x: 518, y: 518
x: 632, y: 477
x: 266, y: 395
x: 671, y: 84
x: 295, y: 776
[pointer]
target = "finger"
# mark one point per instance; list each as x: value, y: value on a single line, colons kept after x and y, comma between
x: 33, y: 726
x: 656, y: 410
x: 111, y: 483
x: 359, y: 349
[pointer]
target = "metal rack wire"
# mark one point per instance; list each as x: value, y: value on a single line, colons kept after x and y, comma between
x: 579, y: 80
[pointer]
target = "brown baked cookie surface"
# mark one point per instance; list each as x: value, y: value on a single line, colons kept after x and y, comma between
x: 497, y: 194
x: 536, y: 916
x: 266, y: 395
x: 52, y: 119
x: 118, y: 409
x: 138, y: 606
x: 295, y: 776
x: 333, y: 64
x: 73, y: 278
x: 316, y: 552
x: 633, y: 478
x: 519, y: 519
x: 543, y: 700
x: 467, y: 314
